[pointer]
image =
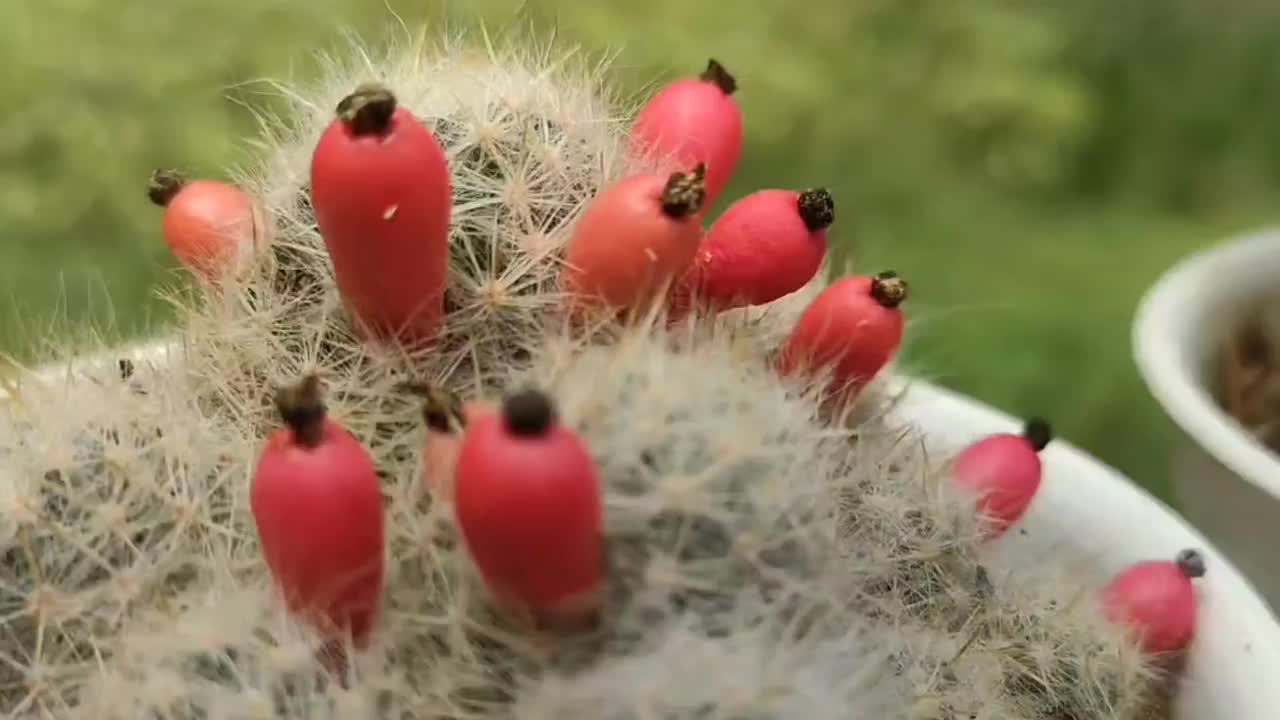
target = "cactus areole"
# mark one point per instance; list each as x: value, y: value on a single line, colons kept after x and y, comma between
x: 528, y: 502
x: 317, y: 504
x: 1004, y: 471
x: 382, y: 196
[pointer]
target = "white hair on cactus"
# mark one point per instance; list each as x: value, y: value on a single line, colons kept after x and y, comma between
x: 701, y: 493
x: 811, y: 557
x: 531, y: 134
x: 750, y: 674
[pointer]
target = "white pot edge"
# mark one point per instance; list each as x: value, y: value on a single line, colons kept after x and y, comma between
x: 1236, y: 657
x: 1195, y: 293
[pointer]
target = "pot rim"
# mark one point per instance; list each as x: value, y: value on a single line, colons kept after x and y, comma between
x: 1086, y: 504
x: 1186, y: 305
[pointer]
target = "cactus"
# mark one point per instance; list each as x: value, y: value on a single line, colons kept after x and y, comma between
x: 530, y: 136
x: 768, y: 556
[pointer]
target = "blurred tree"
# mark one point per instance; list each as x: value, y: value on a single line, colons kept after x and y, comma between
x: 100, y: 94
x: 991, y: 149
x: 902, y: 89
x: 1187, y: 97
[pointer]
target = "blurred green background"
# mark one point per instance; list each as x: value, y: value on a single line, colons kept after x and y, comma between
x: 1030, y: 166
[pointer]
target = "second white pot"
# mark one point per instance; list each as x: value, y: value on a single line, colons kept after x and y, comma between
x: 1226, y: 482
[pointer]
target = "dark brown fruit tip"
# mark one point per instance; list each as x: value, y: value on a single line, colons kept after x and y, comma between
x: 529, y: 412
x: 164, y: 184
x: 817, y: 209
x: 685, y: 193
x: 1191, y: 563
x: 888, y: 289
x: 717, y: 75
x: 302, y: 408
x: 1038, y: 433
x: 367, y: 110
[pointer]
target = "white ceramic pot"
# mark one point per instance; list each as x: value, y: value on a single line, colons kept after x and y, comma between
x: 1235, y: 659
x: 1226, y: 482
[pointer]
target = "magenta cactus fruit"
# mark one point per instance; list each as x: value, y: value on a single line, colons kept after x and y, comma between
x: 767, y: 245
x: 1157, y: 600
x: 1004, y: 471
x: 695, y: 120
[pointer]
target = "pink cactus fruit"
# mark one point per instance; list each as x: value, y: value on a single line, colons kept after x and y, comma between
x: 1004, y: 470
x: 1157, y: 599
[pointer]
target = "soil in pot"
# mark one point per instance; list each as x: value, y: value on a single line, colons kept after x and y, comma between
x: 1249, y: 372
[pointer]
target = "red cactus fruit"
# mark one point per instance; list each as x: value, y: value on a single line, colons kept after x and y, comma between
x: 382, y: 197
x: 528, y: 502
x: 317, y: 504
x: 766, y: 245
x: 695, y: 120
x: 1157, y: 600
x: 635, y: 239
x: 852, y: 329
x: 210, y: 226
x: 1004, y: 470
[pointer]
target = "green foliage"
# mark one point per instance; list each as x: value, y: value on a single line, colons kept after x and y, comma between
x: 905, y: 90
x: 1014, y: 157
x: 1187, y: 97
x: 100, y: 94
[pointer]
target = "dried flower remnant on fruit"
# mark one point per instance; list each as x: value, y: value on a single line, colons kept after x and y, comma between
x: 367, y: 110
x: 528, y: 413
x: 1191, y: 563
x: 817, y: 209
x: 164, y: 185
x: 301, y: 407
x: 1038, y: 433
x: 717, y: 75
x: 685, y: 192
x: 889, y: 289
